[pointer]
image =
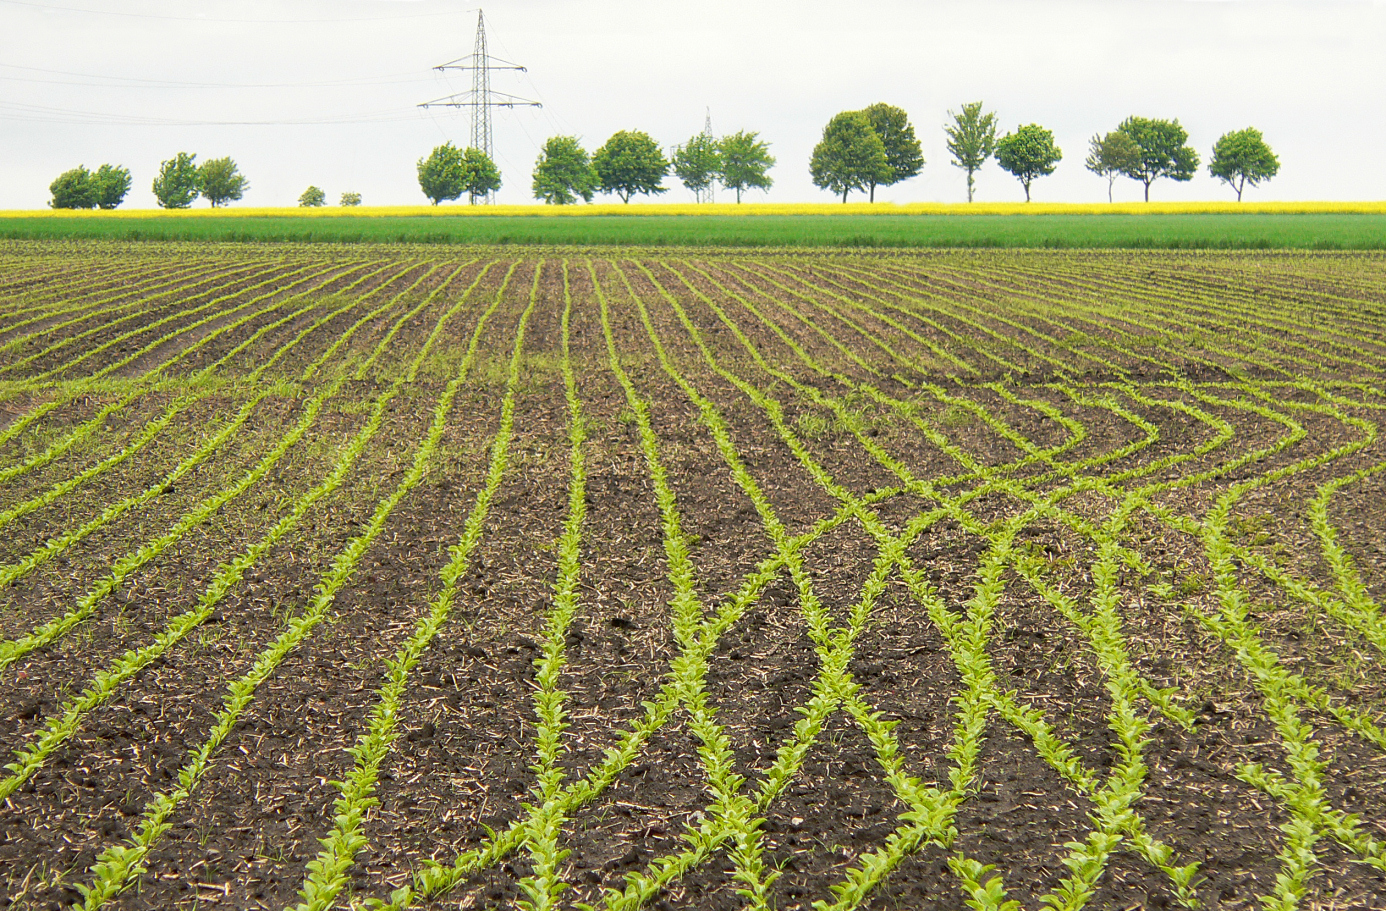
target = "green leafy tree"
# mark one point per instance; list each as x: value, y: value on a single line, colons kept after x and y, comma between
x: 111, y: 183
x: 481, y: 177
x: 312, y: 197
x: 73, y: 189
x: 630, y: 162
x: 350, y: 199
x: 1243, y: 158
x: 177, y: 186
x: 745, y: 163
x: 1163, y: 151
x: 1111, y: 156
x: 901, y: 145
x: 443, y: 174
x: 563, y: 174
x: 1028, y: 153
x: 698, y: 164
x: 221, y: 181
x: 850, y: 156
x: 971, y: 140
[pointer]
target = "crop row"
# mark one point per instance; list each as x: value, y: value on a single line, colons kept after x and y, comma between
x: 1098, y: 436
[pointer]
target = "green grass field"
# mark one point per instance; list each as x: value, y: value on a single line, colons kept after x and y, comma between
x: 1079, y: 231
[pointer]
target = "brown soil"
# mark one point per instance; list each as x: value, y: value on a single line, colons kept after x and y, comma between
x: 1091, y: 334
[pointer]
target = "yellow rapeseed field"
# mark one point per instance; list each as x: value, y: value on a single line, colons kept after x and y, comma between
x: 745, y: 209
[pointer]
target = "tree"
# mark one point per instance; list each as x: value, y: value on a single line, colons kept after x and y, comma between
x: 73, y: 189
x: 480, y: 177
x: 971, y: 140
x: 111, y: 183
x: 221, y: 182
x: 1111, y: 156
x: 745, y: 161
x: 443, y: 174
x: 630, y: 163
x: 698, y: 164
x: 350, y: 199
x: 563, y: 173
x: 1028, y: 153
x: 1163, y: 152
x: 1243, y: 158
x: 850, y: 156
x: 176, y: 186
x: 312, y: 197
x: 901, y: 145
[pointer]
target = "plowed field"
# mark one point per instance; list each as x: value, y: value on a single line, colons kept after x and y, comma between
x: 351, y: 576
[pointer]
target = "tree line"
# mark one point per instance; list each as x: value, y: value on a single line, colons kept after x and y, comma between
x: 628, y: 163
x: 181, y: 180
x: 858, y: 152
x: 861, y: 150
x: 316, y: 196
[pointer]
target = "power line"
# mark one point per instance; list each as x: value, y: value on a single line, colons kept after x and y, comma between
x: 43, y: 114
x: 214, y: 19
x: 544, y: 104
x: 131, y: 82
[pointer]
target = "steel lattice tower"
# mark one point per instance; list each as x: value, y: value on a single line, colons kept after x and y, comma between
x: 481, y: 88
x: 481, y: 98
x: 712, y: 184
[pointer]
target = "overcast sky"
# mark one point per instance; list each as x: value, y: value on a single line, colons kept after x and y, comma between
x: 323, y: 92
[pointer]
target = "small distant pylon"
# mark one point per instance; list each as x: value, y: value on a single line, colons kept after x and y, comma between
x: 481, y: 98
x: 709, y: 194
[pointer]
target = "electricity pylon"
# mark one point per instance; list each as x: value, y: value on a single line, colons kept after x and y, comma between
x: 708, y: 194
x: 481, y: 98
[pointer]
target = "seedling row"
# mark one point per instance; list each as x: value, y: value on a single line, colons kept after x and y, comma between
x: 378, y: 577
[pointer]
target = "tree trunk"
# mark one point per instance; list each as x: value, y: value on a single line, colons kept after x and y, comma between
x: 844, y: 197
x: 1026, y: 185
x: 873, y: 192
x: 1147, y: 191
x: 1110, y: 182
x: 738, y: 196
x: 1240, y: 186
